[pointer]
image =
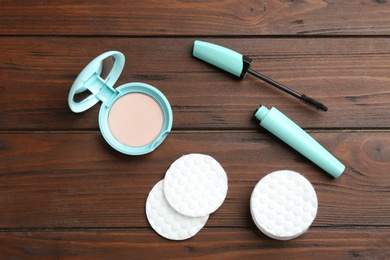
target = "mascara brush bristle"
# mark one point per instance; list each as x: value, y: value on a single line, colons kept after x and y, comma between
x: 314, y: 103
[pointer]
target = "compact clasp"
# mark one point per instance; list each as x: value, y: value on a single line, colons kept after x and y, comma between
x: 99, y: 88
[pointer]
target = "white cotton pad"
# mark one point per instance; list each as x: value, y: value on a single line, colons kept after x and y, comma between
x: 283, y: 205
x: 195, y: 185
x: 166, y: 221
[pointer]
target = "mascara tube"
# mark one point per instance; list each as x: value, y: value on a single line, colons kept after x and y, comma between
x: 289, y: 132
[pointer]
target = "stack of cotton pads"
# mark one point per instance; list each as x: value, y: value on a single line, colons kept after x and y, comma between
x: 179, y: 206
x: 283, y: 205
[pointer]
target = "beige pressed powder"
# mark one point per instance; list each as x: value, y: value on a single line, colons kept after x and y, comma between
x: 135, y: 119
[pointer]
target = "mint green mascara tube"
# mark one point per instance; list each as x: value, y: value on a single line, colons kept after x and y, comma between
x: 285, y: 129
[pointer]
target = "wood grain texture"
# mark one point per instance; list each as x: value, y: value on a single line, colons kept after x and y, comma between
x: 349, y: 75
x: 66, y: 194
x: 208, y: 244
x: 248, y: 17
x: 77, y: 180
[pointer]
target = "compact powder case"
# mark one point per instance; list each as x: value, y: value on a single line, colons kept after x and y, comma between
x: 134, y: 118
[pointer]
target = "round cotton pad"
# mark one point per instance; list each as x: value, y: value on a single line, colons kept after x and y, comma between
x: 195, y: 185
x: 166, y: 221
x: 283, y: 205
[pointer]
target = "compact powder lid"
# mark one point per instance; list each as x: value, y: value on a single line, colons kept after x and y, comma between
x: 135, y: 119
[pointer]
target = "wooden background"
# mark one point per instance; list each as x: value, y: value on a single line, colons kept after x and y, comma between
x: 65, y: 193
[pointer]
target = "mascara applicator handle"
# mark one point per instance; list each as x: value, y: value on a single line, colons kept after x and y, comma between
x: 221, y: 57
x: 239, y: 65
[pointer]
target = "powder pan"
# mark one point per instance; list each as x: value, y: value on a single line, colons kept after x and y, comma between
x: 134, y: 118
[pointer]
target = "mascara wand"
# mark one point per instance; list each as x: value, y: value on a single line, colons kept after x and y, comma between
x: 308, y: 100
x: 239, y: 65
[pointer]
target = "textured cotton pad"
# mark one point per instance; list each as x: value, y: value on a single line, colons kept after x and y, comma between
x: 283, y: 205
x: 195, y: 185
x: 166, y: 221
x: 135, y: 119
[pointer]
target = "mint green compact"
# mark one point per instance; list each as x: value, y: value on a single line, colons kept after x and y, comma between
x: 289, y: 132
x: 134, y: 118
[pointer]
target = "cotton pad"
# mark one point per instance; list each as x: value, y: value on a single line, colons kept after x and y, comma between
x: 166, y: 221
x: 283, y: 205
x: 195, y: 185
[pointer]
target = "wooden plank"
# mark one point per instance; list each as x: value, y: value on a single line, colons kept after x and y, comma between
x: 366, y: 243
x: 271, y: 17
x: 349, y: 75
x: 75, y: 180
x: 65, y: 193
